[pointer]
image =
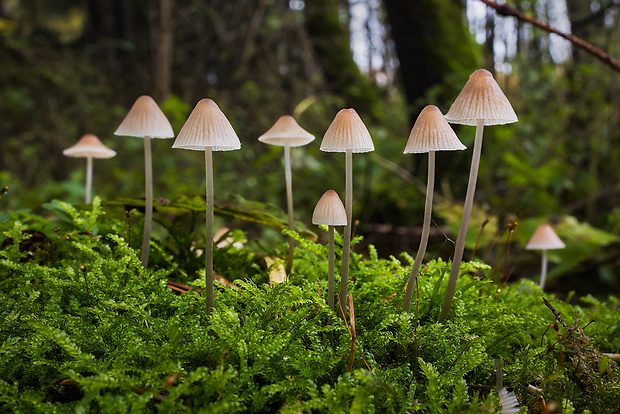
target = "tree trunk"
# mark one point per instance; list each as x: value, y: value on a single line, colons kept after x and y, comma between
x: 432, y: 41
x: 163, y: 47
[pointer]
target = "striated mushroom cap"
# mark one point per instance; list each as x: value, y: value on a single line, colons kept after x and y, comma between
x: 544, y: 238
x: 286, y: 131
x: 145, y: 119
x: 431, y: 132
x: 207, y: 126
x: 347, y: 131
x: 481, y: 98
x: 89, y: 146
x: 329, y: 210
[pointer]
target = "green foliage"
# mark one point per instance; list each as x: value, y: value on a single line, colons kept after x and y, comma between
x: 86, y: 329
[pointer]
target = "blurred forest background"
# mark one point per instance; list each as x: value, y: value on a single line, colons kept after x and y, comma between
x: 71, y: 67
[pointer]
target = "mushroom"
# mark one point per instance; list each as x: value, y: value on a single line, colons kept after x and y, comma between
x: 431, y: 132
x: 89, y: 147
x: 480, y: 103
x: 544, y: 238
x: 287, y: 133
x: 207, y: 129
x: 347, y: 133
x: 146, y: 120
x: 329, y: 211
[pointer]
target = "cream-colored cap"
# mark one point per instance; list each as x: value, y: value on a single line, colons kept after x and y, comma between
x: 286, y: 131
x: 481, y: 98
x: 347, y: 131
x: 207, y: 126
x: 431, y: 132
x: 329, y: 210
x: 544, y: 238
x: 145, y: 119
x: 89, y: 146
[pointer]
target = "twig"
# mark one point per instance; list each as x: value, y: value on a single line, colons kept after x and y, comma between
x: 511, y: 11
x: 353, y: 335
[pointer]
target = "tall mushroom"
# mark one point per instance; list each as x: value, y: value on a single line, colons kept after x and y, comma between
x: 480, y: 103
x: 287, y: 133
x: 207, y: 129
x: 430, y: 133
x: 89, y: 147
x: 544, y: 238
x: 347, y: 133
x: 329, y: 211
x: 146, y: 120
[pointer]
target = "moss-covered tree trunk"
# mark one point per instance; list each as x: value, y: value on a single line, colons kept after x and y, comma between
x: 332, y: 47
x: 432, y: 41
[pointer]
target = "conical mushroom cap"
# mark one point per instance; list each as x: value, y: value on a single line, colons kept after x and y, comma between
x: 347, y: 131
x: 207, y: 126
x: 329, y: 210
x: 89, y: 146
x: 481, y: 98
x: 544, y: 238
x: 431, y: 132
x: 286, y: 131
x: 145, y: 119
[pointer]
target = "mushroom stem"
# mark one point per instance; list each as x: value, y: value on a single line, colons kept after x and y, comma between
x: 209, y: 234
x: 462, y: 236
x: 148, y: 208
x: 289, y: 203
x: 543, y: 269
x: 426, y: 227
x: 89, y: 178
x: 346, y: 242
x: 330, y: 272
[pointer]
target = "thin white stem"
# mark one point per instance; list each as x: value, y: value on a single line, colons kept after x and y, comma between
x: 426, y: 228
x: 330, y: 272
x: 289, y: 203
x: 148, y: 208
x: 89, y: 178
x: 346, y: 241
x: 209, y: 234
x: 467, y: 207
x: 331, y: 288
x: 543, y: 270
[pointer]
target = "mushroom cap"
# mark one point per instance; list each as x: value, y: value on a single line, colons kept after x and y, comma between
x: 207, y: 126
x: 544, y: 238
x: 347, y: 131
x: 329, y: 210
x: 431, y: 132
x: 145, y: 119
x: 481, y: 98
x: 89, y: 146
x: 286, y: 132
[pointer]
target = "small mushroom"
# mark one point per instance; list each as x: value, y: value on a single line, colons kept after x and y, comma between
x: 89, y: 147
x: 544, y: 238
x: 347, y: 133
x: 329, y: 211
x: 207, y: 129
x: 146, y: 120
x: 431, y: 132
x: 481, y: 102
x: 287, y: 133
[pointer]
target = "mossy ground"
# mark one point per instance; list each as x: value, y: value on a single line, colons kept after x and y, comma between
x: 85, y: 328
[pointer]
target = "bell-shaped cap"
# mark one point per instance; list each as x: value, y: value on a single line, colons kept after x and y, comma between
x: 145, y: 119
x: 89, y: 146
x: 431, y: 132
x: 481, y: 98
x: 544, y: 238
x: 207, y: 126
x: 286, y: 132
x: 329, y: 210
x: 347, y: 131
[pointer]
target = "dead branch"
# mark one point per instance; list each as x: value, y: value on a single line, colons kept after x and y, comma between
x: 511, y: 11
